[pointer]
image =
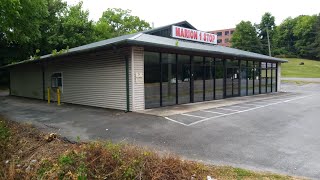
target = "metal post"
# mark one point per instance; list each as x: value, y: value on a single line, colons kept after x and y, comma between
x: 253, y: 75
x: 260, y: 70
x: 224, y: 78
x: 276, y: 77
x: 247, y: 75
x: 214, y: 78
x: 160, y: 62
x: 204, y: 78
x: 58, y: 96
x: 239, y: 78
x: 266, y: 77
x: 177, y: 79
x: 271, y: 76
x: 48, y: 91
x: 191, y: 79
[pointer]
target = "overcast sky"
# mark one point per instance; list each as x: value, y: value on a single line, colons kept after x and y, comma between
x: 204, y: 14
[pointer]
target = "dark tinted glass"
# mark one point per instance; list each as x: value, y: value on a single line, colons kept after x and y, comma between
x: 152, y: 79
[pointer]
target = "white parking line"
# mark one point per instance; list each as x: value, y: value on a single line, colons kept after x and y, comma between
x: 238, y: 106
x: 203, y: 120
x: 176, y: 121
x: 258, y: 102
x: 249, y: 105
x: 227, y: 109
x: 213, y: 112
x: 256, y: 105
x: 193, y: 116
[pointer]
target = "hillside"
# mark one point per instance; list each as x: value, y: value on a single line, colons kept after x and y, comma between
x: 310, y: 69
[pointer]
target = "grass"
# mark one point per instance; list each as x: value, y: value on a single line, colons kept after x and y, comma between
x: 29, y: 156
x: 310, y: 69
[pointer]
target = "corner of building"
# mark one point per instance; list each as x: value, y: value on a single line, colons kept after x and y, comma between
x: 137, y: 78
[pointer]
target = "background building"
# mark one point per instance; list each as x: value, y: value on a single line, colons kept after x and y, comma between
x: 224, y: 36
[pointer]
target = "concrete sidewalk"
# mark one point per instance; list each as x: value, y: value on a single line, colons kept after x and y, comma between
x: 314, y: 80
x: 185, y: 108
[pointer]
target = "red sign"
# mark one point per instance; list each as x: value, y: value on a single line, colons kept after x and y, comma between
x: 193, y: 35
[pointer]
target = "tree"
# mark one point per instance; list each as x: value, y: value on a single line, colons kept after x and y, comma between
x: 74, y: 28
x: 284, y: 39
x: 316, y: 44
x: 116, y: 22
x: 304, y: 31
x: 50, y: 26
x: 245, y: 37
x: 103, y: 30
x: 265, y: 28
x: 20, y: 19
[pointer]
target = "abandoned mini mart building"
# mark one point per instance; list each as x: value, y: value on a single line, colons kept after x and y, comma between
x: 174, y: 64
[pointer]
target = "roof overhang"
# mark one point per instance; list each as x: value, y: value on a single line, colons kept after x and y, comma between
x: 141, y: 39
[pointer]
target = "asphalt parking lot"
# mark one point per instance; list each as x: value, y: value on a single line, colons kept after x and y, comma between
x: 196, y: 117
x: 279, y: 134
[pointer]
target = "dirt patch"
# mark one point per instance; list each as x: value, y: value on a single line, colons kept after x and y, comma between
x: 27, y: 153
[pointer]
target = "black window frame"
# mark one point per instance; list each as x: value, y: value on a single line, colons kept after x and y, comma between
x: 55, y: 77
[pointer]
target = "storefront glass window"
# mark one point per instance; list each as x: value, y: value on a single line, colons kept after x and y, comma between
x: 263, y: 77
x: 198, y: 73
x: 244, y: 77
x: 209, y: 81
x: 251, y: 71
x: 152, y: 79
x: 219, y: 75
x: 232, y: 78
x: 184, y: 77
x: 269, y: 78
x: 274, y: 77
x: 169, y: 72
x: 256, y: 77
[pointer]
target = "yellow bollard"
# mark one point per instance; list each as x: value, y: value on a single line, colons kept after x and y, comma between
x: 58, y: 96
x: 48, y: 90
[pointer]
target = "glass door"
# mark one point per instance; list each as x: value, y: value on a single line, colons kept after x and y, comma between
x: 184, y: 79
x: 232, y: 82
x: 229, y: 84
x: 235, y: 82
x: 197, y: 79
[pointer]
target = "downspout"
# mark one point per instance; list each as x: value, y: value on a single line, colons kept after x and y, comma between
x: 127, y: 84
x: 126, y: 57
x: 43, y: 83
x: 9, y: 82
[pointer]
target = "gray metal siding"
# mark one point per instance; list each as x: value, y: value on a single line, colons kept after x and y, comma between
x: 26, y: 81
x: 95, y: 79
x: 138, y: 82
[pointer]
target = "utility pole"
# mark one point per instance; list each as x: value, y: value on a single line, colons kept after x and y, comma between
x: 268, y: 42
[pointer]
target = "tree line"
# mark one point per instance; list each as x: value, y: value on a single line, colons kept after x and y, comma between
x: 294, y: 37
x: 39, y: 27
